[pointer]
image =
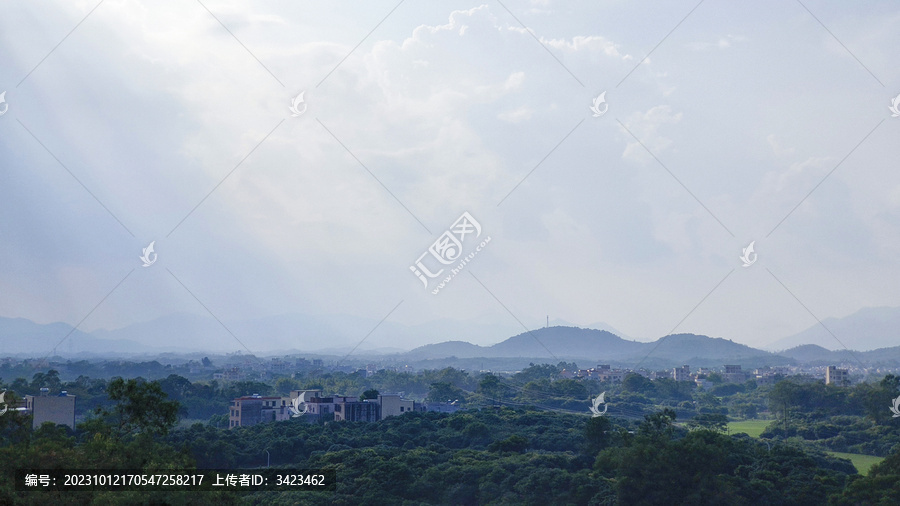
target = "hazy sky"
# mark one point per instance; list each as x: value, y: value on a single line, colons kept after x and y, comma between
x: 743, y: 110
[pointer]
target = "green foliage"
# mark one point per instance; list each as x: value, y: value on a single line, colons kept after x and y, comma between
x: 493, y: 455
x: 141, y: 408
x: 709, y: 421
x: 369, y: 394
x: 442, y: 391
x: 514, y: 443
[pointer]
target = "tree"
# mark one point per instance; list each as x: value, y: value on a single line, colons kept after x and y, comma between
x: 659, y: 424
x: 141, y: 408
x: 491, y: 387
x: 445, y: 392
x: 49, y: 380
x: 597, y: 434
x: 637, y: 383
x: 514, y: 443
x: 711, y: 421
x: 369, y: 394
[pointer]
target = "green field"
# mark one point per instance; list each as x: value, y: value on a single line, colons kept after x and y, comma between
x: 754, y: 428
x: 862, y: 463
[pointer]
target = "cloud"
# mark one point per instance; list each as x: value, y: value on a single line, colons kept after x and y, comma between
x: 722, y: 43
x: 646, y: 126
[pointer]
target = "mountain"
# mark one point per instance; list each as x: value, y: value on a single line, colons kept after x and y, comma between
x: 19, y: 336
x: 609, y: 328
x: 597, y: 346
x: 867, y: 329
x: 290, y: 333
x: 279, y: 334
x: 565, y: 342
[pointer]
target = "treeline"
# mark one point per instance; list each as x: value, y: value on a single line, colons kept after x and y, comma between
x: 477, y: 456
x: 855, y: 419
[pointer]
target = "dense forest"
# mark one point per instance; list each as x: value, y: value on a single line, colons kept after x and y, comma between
x: 520, y: 439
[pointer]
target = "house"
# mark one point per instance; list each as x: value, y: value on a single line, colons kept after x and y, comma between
x: 835, y: 376
x: 254, y: 409
x: 59, y: 409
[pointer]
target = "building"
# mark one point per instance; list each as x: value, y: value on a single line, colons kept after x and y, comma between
x: 278, y: 365
x: 682, y: 373
x: 733, y: 374
x: 835, y: 376
x: 611, y: 375
x: 765, y: 379
x: 59, y: 409
x: 254, y: 409
x: 233, y: 374
x: 393, y: 405
x: 352, y: 410
x: 703, y: 384
x: 318, y: 408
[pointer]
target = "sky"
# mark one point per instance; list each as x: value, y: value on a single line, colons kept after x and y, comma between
x: 722, y: 124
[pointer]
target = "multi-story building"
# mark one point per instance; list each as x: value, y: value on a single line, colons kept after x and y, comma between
x: 733, y: 374
x: 254, y: 409
x: 352, y: 410
x: 318, y: 408
x: 611, y: 375
x: 232, y: 374
x: 835, y: 376
x: 682, y: 373
x: 393, y: 405
x: 59, y: 409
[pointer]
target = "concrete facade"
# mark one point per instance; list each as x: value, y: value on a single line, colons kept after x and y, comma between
x: 59, y: 409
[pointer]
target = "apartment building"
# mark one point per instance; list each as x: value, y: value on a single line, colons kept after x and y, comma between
x: 835, y: 376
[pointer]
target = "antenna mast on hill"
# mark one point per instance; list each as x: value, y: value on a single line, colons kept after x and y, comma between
x: 548, y: 322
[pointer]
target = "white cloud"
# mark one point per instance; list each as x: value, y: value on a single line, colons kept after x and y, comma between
x: 646, y: 127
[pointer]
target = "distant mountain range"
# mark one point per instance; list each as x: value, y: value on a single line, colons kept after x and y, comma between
x: 337, y: 335
x: 589, y: 346
x: 867, y: 329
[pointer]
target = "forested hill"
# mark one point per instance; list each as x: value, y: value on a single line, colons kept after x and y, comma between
x: 577, y: 344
